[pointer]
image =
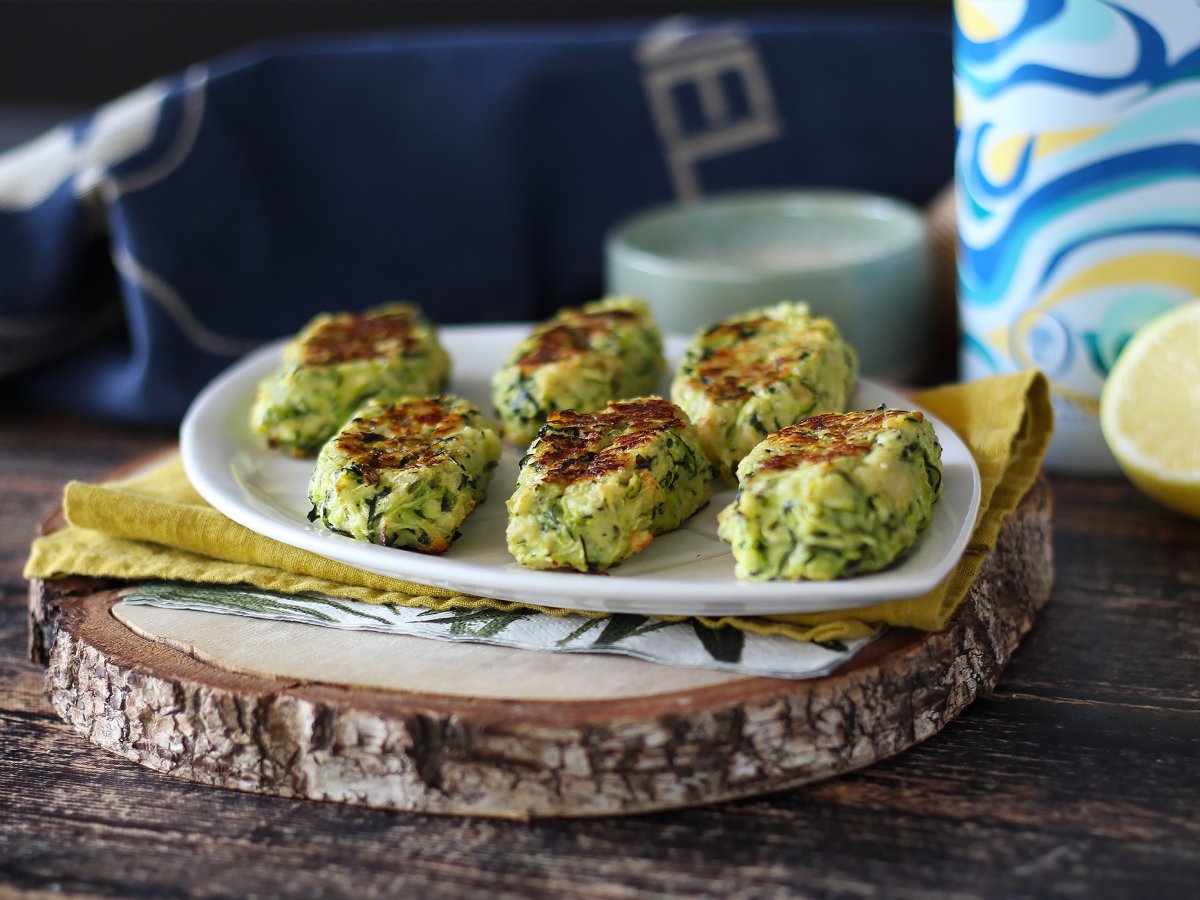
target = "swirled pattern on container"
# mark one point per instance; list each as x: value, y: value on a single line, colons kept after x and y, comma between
x: 1078, y: 175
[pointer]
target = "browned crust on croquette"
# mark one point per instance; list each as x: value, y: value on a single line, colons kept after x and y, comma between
x: 727, y: 376
x: 570, y: 338
x: 353, y: 336
x: 828, y: 437
x: 416, y: 424
x: 573, y: 445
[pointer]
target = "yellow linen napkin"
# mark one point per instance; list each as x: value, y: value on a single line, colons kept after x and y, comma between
x: 155, y: 526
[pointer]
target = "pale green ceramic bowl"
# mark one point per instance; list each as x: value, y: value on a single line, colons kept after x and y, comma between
x: 860, y: 259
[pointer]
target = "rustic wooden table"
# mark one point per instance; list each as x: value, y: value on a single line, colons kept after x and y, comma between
x: 1079, y: 775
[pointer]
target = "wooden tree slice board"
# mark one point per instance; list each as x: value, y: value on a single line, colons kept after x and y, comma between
x: 300, y: 711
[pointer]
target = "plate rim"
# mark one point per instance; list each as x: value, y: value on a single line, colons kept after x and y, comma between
x: 223, y: 491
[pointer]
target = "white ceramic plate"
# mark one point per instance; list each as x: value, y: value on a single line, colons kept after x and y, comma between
x: 686, y: 572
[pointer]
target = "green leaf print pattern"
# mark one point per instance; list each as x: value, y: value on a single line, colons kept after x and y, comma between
x: 679, y: 643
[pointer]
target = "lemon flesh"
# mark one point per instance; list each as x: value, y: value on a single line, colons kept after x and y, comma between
x: 1150, y: 409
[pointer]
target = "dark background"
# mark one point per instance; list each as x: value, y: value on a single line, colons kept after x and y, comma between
x: 76, y: 53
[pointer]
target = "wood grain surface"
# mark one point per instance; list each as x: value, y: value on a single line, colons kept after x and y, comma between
x: 1077, y: 776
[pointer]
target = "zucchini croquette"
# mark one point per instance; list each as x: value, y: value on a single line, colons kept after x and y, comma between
x: 338, y: 361
x: 834, y: 495
x: 596, y: 488
x: 405, y: 474
x: 580, y: 359
x: 758, y: 372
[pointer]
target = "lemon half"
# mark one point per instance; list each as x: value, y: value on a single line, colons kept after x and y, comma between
x: 1150, y: 409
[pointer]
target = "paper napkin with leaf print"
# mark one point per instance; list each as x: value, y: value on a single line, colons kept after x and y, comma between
x: 684, y: 642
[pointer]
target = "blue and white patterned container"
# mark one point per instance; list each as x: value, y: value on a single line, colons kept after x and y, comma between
x: 1078, y: 176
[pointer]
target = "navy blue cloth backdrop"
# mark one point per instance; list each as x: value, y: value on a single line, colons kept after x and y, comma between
x: 474, y: 173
